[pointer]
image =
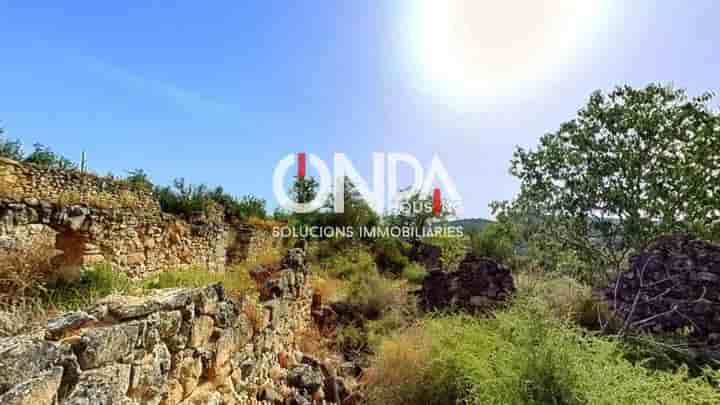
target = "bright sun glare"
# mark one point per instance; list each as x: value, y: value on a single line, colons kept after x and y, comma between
x: 480, y: 53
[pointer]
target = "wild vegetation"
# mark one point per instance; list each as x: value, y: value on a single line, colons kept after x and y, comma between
x: 633, y: 165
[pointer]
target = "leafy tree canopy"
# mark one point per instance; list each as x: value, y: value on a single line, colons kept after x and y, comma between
x: 44, y: 156
x: 184, y: 199
x: 10, y: 149
x: 633, y: 164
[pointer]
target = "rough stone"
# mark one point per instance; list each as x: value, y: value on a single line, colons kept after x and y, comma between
x: 39, y: 390
x: 191, y: 346
x: 478, y: 284
x: 93, y: 219
x: 672, y: 284
x: 201, y: 331
x: 109, y: 344
x: 23, y: 358
x: 150, y: 375
x: 59, y: 326
x: 103, y: 386
x: 305, y: 377
x: 188, y: 370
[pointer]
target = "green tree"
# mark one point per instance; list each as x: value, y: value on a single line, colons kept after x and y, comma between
x: 10, y: 149
x: 182, y: 198
x: 357, y: 212
x: 44, y: 156
x: 493, y: 241
x: 633, y: 164
x: 303, y: 189
x: 249, y: 206
x: 140, y: 179
x: 416, y: 211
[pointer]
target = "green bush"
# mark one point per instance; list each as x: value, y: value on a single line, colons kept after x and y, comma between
x: 10, y: 149
x: 492, y: 242
x: 522, y: 356
x: 236, y: 280
x: 453, y: 249
x: 44, y: 156
x: 414, y: 273
x: 346, y: 263
x: 323, y: 250
x: 568, y: 300
x: 391, y: 254
x: 93, y: 284
x: 372, y: 294
x: 185, y: 199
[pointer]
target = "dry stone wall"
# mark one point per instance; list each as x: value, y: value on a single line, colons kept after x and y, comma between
x: 91, y: 219
x: 672, y: 285
x: 479, y: 284
x: 22, y: 180
x: 134, y: 241
x: 249, y: 243
x: 180, y: 346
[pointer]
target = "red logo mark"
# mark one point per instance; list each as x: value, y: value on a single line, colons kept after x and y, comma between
x: 437, y: 202
x: 301, y: 165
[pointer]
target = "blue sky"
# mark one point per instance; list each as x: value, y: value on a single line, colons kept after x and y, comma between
x: 218, y: 92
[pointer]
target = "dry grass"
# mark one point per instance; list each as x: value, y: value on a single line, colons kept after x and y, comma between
x: 22, y: 273
x: 23, y: 315
x: 373, y: 295
x: 270, y: 257
x: 265, y: 224
x: 312, y: 342
x: 329, y: 289
x: 236, y: 280
x: 399, y: 369
x: 567, y: 298
x: 128, y: 199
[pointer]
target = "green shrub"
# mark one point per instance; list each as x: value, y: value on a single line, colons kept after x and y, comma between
x: 454, y: 250
x: 323, y: 250
x: 391, y: 254
x: 186, y: 199
x: 93, y: 284
x: 351, y: 340
x: 236, y: 280
x: 522, y: 356
x: 351, y: 260
x: 139, y: 179
x: 10, y: 149
x: 492, y: 242
x: 568, y: 300
x: 372, y: 294
x: 414, y: 273
x: 44, y: 156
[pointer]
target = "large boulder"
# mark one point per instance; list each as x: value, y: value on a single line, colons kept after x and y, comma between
x: 672, y: 284
x: 478, y: 284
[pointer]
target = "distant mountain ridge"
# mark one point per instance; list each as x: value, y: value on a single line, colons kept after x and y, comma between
x: 471, y: 224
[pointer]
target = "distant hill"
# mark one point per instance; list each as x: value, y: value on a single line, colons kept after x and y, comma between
x: 471, y: 224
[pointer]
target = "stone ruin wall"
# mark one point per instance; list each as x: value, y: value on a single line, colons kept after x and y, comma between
x: 91, y: 219
x: 135, y: 242
x: 248, y: 243
x: 180, y: 346
x: 28, y: 181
